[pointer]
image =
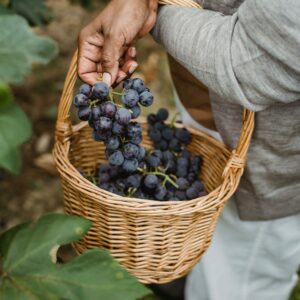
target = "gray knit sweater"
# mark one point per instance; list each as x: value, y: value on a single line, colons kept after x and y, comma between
x: 248, y: 54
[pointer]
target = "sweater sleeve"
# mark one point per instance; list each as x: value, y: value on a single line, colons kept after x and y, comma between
x: 250, y: 58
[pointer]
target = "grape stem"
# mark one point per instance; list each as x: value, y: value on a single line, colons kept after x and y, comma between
x: 166, y: 177
x: 116, y: 93
x: 174, y: 120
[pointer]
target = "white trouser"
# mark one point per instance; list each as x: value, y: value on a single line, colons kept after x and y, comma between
x: 247, y: 260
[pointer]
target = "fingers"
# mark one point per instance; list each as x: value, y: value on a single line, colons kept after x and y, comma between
x: 111, y: 53
x: 89, y: 57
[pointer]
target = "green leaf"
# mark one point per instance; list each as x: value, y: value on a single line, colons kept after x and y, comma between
x: 15, y: 129
x: 5, y: 95
x: 34, y: 11
x: 28, y: 271
x: 20, y: 48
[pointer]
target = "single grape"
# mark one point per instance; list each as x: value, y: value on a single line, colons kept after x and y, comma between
x: 123, y: 116
x: 154, y: 135
x: 167, y: 155
x: 105, y: 124
x: 192, y: 193
x: 138, y: 85
x: 130, y: 151
x: 191, y: 177
x: 175, y: 145
x: 152, y: 161
x: 103, y: 168
x: 181, y: 171
x: 185, y: 153
x: 133, y: 181
x: 183, y: 135
x: 136, y: 139
x: 108, y: 109
x: 99, y: 136
x: 100, y: 90
x: 160, y: 126
x: 81, y: 100
x: 196, y: 163
x: 181, y: 195
x: 152, y: 119
x: 117, y: 128
x: 161, y: 145
x: 142, y: 153
x: 84, y: 113
x: 134, y: 129
x: 171, y: 166
x: 130, y: 165
x: 151, y: 181
x: 168, y: 133
x: 85, y: 89
x: 113, y: 143
x: 130, y: 98
x: 160, y: 193
x: 135, y: 112
x: 103, y: 177
x: 96, y: 112
x: 127, y: 84
x: 157, y: 153
x: 116, y: 158
x: 146, y: 99
x: 162, y: 114
x: 182, y: 161
x: 182, y: 183
x: 198, y: 185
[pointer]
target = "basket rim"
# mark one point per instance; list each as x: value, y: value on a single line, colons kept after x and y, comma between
x: 205, y: 203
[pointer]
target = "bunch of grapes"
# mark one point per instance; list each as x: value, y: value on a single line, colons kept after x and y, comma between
x: 168, y: 172
x: 111, y: 121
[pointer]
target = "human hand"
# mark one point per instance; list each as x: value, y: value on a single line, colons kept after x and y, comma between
x: 105, y: 44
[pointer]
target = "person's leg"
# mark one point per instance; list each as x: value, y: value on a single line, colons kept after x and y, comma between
x: 248, y: 260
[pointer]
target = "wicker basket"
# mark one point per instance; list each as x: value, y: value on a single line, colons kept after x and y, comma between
x: 156, y: 241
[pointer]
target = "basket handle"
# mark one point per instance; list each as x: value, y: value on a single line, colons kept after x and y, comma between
x: 64, y: 126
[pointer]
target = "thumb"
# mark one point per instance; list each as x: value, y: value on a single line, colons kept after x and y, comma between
x: 111, y: 53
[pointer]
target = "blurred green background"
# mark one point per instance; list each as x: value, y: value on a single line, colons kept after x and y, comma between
x: 37, y: 189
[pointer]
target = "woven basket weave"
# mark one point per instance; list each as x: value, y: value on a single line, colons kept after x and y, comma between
x: 156, y: 241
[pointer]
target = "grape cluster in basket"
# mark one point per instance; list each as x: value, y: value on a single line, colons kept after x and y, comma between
x: 168, y: 172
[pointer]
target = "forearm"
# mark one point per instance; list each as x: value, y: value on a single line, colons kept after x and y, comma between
x: 253, y: 69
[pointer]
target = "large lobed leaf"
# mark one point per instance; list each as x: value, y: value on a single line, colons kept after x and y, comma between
x: 15, y: 129
x: 30, y: 273
x: 20, y: 48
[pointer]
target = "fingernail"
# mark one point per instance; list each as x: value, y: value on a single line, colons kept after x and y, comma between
x: 132, y: 51
x: 120, y: 78
x: 132, y: 68
x: 106, y: 78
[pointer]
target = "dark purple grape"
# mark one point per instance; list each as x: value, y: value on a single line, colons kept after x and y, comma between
x: 191, y: 177
x: 181, y: 171
x: 134, y: 129
x: 161, y: 145
x: 103, y: 177
x: 130, y: 151
x: 175, y: 145
x: 162, y: 114
x: 151, y: 181
x: 123, y: 116
x: 99, y: 136
x: 138, y: 85
x: 160, y: 193
x: 171, y: 166
x: 181, y: 195
x: 154, y: 134
x: 103, y: 168
x: 152, y: 161
x: 116, y: 158
x: 81, y: 100
x: 167, y: 155
x: 192, y: 193
x: 196, y: 163
x: 104, y: 186
x: 136, y: 139
x: 198, y: 185
x: 152, y: 119
x: 85, y: 89
x: 142, y: 153
x: 100, y: 90
x: 183, y: 135
x: 84, y: 113
x: 182, y: 183
x: 157, y: 153
x: 168, y: 133
x: 114, y: 171
x: 182, y: 161
x: 105, y: 124
x: 130, y: 165
x: 130, y: 98
x: 117, y: 128
x: 96, y: 112
x: 185, y: 153
x: 108, y: 109
x: 113, y: 143
x: 127, y: 83
x: 133, y: 181
x: 146, y: 98
x: 135, y: 112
